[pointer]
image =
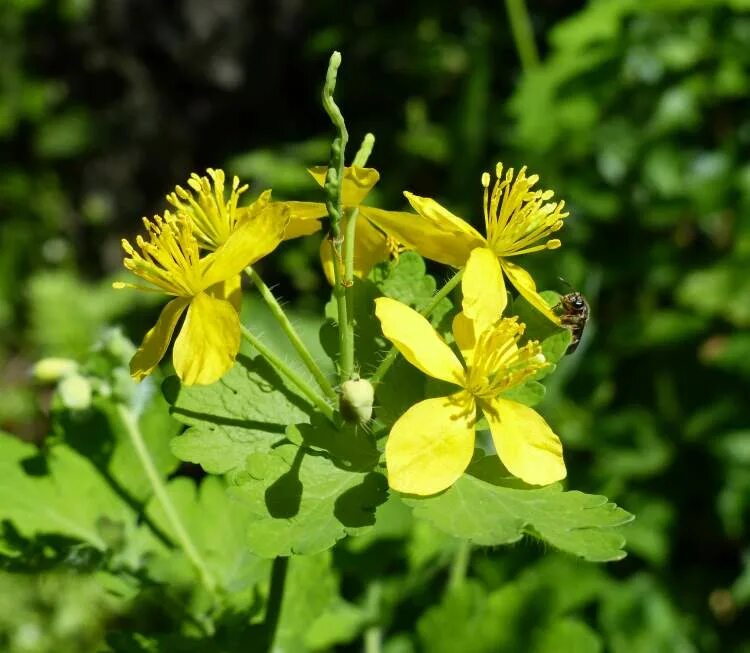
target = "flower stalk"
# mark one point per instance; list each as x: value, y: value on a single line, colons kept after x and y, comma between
x: 162, y: 496
x: 332, y: 188
x: 291, y: 333
x: 276, y: 361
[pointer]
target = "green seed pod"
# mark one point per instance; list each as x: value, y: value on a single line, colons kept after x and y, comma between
x: 355, y: 400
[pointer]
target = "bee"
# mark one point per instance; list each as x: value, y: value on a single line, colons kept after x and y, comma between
x: 573, y: 310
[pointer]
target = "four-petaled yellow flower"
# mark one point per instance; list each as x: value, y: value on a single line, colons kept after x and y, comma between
x: 214, y: 218
x: 432, y: 443
x: 371, y: 245
x: 170, y: 262
x: 517, y: 219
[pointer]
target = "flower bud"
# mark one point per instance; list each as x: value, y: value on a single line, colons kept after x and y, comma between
x: 49, y: 370
x: 75, y: 392
x: 356, y: 399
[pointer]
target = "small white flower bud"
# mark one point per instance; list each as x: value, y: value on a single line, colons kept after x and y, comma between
x: 75, y: 392
x: 356, y: 399
x: 49, y: 370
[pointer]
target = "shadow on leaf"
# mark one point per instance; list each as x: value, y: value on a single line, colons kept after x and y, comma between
x: 284, y: 496
x: 356, y: 507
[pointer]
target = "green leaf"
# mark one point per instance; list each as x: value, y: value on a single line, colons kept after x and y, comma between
x: 303, y: 502
x: 216, y: 524
x: 406, y: 280
x: 567, y: 635
x: 489, y: 509
x: 99, y: 435
x: 469, y: 620
x: 313, y: 616
x: 64, y: 494
x: 246, y: 411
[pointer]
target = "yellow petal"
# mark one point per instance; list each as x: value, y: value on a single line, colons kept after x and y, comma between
x: 231, y: 290
x: 326, y: 260
x: 370, y: 246
x: 463, y: 332
x: 419, y: 343
x: 208, y: 342
x: 437, y: 242
x: 305, y: 210
x: 525, y: 443
x: 357, y: 182
x: 251, y: 240
x: 157, y: 339
x: 525, y: 285
x: 442, y: 217
x: 297, y: 228
x: 484, y: 297
x: 431, y: 444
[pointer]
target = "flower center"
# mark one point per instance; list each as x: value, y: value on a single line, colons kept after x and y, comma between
x: 517, y: 217
x: 169, y: 259
x: 213, y: 218
x: 498, y: 363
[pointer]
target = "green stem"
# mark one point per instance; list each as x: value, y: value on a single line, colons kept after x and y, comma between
x: 364, y: 151
x: 162, y: 496
x: 523, y: 35
x: 279, y: 569
x: 287, y: 371
x: 460, y: 565
x: 374, y: 632
x: 392, y: 354
x: 291, y: 334
x: 346, y: 332
x: 373, y: 639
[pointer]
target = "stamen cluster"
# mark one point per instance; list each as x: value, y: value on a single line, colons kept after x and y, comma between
x: 169, y: 259
x: 516, y: 216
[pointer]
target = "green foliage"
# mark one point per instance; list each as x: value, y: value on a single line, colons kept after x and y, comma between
x: 636, y: 116
x: 303, y: 502
x: 488, y: 508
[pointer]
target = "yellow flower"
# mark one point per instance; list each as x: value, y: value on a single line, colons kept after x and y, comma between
x: 432, y: 443
x: 170, y: 262
x: 214, y: 218
x: 518, y: 220
x: 371, y: 245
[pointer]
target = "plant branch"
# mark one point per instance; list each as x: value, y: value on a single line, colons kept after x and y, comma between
x: 162, y: 496
x: 291, y: 333
x: 523, y: 35
x: 459, y: 565
x: 286, y: 370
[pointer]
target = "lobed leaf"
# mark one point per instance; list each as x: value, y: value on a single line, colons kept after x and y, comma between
x: 302, y: 502
x: 245, y: 412
x: 489, y: 509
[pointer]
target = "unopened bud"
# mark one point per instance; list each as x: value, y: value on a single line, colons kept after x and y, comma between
x: 75, y: 392
x: 49, y: 370
x: 356, y: 399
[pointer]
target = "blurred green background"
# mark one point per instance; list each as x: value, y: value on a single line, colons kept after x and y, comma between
x: 638, y: 114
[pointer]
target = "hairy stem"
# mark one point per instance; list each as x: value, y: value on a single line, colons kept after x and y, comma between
x: 162, y: 496
x: 392, y: 354
x: 523, y: 36
x: 291, y: 333
x: 288, y: 372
